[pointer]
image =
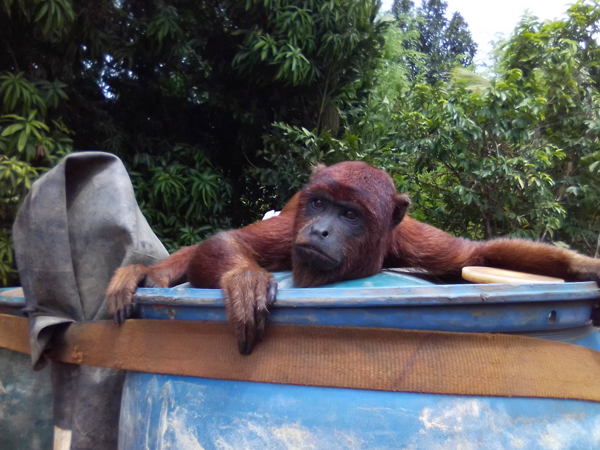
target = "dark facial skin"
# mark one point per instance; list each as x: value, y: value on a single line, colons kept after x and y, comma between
x: 330, y: 225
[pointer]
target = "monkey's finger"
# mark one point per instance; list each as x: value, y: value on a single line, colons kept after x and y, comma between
x: 129, y: 310
x: 245, y: 341
x: 234, y: 309
x: 250, y: 335
x: 120, y: 316
x: 271, y: 292
x: 261, y: 311
x: 233, y: 316
x: 116, y: 305
x: 261, y: 322
x: 240, y: 311
x: 589, y: 274
x: 111, y: 304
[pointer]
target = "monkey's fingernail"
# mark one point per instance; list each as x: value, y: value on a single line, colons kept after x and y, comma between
x: 129, y: 310
x: 122, y: 316
x: 244, y: 348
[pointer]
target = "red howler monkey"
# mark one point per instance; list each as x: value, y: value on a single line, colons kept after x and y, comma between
x: 348, y: 222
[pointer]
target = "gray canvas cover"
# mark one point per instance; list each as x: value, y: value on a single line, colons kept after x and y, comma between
x: 77, y: 225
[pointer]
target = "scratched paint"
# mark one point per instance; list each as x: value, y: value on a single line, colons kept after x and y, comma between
x: 454, y: 426
x: 223, y: 415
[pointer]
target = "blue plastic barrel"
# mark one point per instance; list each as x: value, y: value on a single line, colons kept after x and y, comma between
x: 173, y: 412
x: 25, y: 396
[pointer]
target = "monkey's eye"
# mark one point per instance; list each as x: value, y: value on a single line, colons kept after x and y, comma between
x: 318, y: 203
x: 350, y: 215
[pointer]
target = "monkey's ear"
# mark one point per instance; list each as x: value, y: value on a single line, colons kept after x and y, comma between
x: 401, y: 202
x: 318, y: 169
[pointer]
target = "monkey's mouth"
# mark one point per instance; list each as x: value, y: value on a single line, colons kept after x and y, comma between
x: 315, y: 257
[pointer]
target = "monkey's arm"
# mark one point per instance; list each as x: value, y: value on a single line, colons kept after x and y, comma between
x: 266, y: 244
x: 415, y: 244
x: 235, y: 261
x: 239, y: 262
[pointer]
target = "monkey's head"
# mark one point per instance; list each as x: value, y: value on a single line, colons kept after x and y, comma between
x: 344, y: 219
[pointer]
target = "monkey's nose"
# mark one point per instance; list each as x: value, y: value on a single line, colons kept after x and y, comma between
x: 319, y: 231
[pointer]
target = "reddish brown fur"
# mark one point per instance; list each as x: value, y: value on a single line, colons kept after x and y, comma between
x: 239, y: 261
x: 415, y: 244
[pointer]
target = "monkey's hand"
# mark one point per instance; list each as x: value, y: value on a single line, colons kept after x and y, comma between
x: 586, y: 269
x: 248, y: 294
x: 121, y: 289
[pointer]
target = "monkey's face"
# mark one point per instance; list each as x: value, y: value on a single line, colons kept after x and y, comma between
x: 329, y: 229
x: 345, y: 216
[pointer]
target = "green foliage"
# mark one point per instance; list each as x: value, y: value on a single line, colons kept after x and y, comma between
x: 559, y: 62
x: 28, y: 145
x: 181, y: 194
x: 27, y: 148
x: 32, y: 134
x: 480, y: 172
x: 292, y: 152
x: 519, y: 152
x: 221, y: 108
x: 515, y: 156
x: 443, y: 43
x: 182, y: 91
x: 305, y: 40
x: 367, y: 112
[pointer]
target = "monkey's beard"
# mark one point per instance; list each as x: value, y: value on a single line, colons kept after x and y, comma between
x: 306, y: 276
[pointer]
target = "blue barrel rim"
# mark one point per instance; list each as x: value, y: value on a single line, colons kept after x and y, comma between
x: 455, y: 294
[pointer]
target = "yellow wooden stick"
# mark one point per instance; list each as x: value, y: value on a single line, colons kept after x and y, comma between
x: 491, y: 275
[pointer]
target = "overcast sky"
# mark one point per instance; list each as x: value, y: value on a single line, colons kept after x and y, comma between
x: 486, y: 18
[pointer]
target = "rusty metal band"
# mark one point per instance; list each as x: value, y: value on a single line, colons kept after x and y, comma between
x: 343, y: 357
